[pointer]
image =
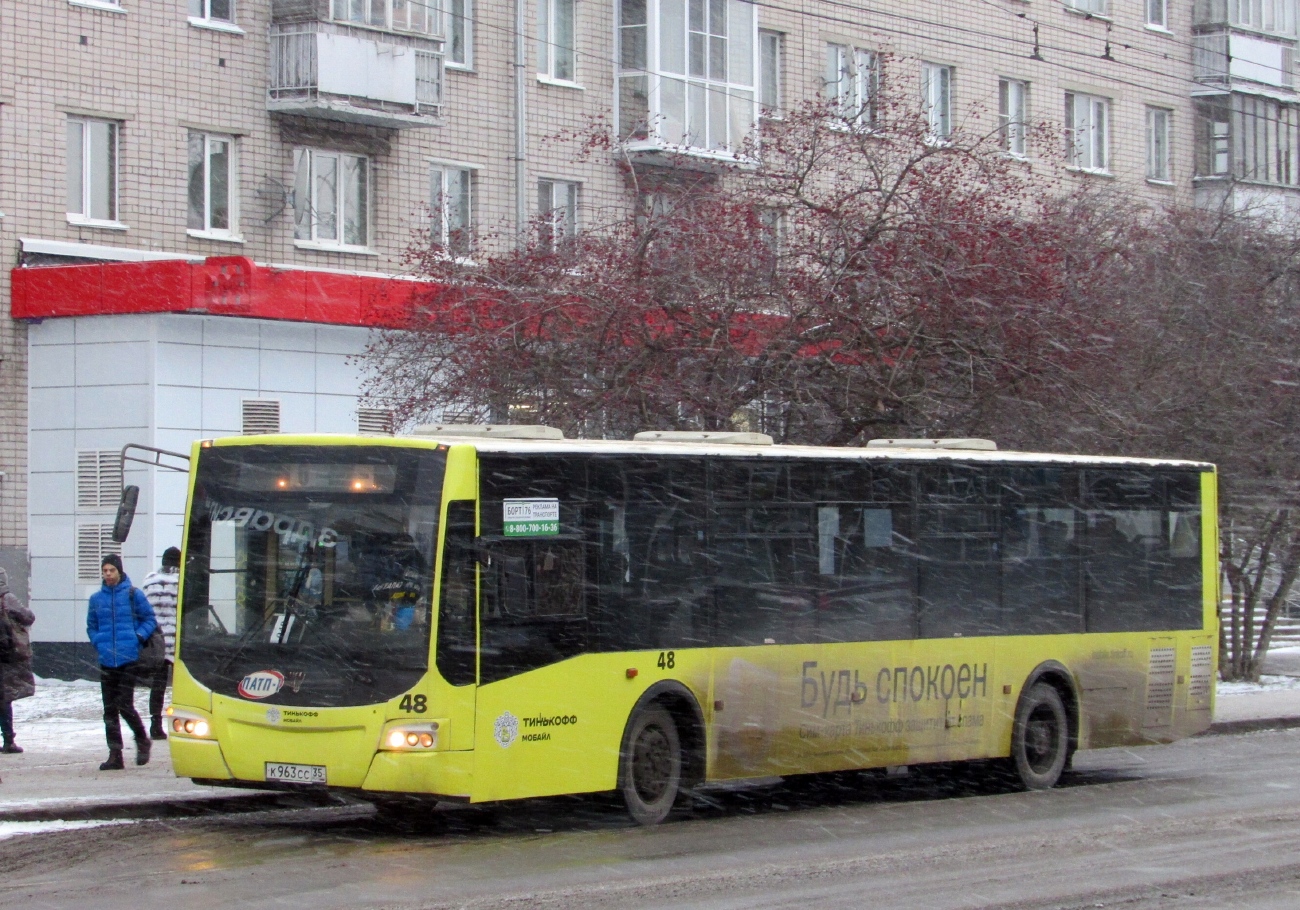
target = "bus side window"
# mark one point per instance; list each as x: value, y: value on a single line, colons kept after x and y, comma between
x: 534, y: 612
x: 456, y: 641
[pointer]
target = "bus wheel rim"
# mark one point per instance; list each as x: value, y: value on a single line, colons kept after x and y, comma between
x: 1041, y: 739
x: 651, y: 764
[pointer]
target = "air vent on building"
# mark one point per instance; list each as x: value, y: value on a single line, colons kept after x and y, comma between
x: 93, y: 541
x: 261, y: 416
x: 375, y: 421
x: 99, y: 478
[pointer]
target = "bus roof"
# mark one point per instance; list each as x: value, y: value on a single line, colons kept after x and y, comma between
x: 718, y: 450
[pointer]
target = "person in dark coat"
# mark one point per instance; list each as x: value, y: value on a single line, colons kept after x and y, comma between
x: 119, y: 621
x: 16, y: 679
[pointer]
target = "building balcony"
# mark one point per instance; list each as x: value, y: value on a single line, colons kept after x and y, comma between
x: 1227, y: 57
x: 332, y: 71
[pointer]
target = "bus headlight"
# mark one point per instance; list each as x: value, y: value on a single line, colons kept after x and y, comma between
x: 185, y: 723
x: 403, y: 737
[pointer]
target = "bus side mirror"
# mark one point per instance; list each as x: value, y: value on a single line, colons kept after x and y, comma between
x: 125, y: 513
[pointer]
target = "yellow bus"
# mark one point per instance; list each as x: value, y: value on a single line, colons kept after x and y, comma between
x: 494, y: 613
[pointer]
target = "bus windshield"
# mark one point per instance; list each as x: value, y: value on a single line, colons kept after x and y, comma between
x: 308, y: 571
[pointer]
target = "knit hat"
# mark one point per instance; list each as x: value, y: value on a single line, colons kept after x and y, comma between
x: 112, y: 559
x: 171, y: 556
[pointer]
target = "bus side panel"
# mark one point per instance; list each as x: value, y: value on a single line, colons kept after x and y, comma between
x: 558, y: 729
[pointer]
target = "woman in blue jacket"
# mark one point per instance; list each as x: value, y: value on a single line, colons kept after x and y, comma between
x: 119, y: 621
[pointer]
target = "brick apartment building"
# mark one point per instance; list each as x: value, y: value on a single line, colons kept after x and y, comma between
x: 247, y: 174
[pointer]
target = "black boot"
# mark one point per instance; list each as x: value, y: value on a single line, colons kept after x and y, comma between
x: 114, y: 762
x: 156, y: 729
x: 11, y: 748
x: 142, y: 747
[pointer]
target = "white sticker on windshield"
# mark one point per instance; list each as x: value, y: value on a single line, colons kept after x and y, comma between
x: 531, y: 517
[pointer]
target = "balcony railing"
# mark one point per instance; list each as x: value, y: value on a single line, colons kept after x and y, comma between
x: 333, y: 72
x: 1228, y: 57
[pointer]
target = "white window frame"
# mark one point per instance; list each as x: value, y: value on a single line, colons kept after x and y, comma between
x: 1091, y: 7
x: 82, y: 179
x: 440, y: 214
x: 460, y: 34
x: 1087, y: 132
x: 558, y: 207
x: 771, y: 63
x: 308, y: 224
x: 208, y: 147
x: 688, y: 81
x: 1013, y: 116
x: 851, y: 80
x: 557, y: 61
x: 1157, y: 14
x: 936, y: 98
x: 1159, y: 129
x: 202, y: 15
x: 420, y: 17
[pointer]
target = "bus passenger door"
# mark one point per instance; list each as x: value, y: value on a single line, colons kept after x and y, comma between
x: 456, y: 652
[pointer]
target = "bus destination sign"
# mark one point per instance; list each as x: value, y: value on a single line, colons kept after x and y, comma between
x: 531, y: 517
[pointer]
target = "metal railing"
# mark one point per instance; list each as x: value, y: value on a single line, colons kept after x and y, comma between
x: 293, y: 61
x: 1210, y: 58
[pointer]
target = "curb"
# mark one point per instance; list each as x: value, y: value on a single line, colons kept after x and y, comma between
x: 1251, y: 725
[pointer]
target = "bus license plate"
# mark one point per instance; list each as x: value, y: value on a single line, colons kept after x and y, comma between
x: 295, y: 774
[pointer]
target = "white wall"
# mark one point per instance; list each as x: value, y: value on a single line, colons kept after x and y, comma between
x: 100, y: 382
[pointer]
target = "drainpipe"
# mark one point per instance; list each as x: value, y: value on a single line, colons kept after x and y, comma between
x: 521, y: 124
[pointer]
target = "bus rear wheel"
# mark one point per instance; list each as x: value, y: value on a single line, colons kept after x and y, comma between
x: 1040, y: 738
x: 650, y: 772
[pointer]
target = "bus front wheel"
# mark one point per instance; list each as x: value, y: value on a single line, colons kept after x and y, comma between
x: 650, y: 773
x: 1040, y: 738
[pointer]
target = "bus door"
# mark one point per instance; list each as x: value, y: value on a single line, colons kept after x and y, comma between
x: 456, y: 651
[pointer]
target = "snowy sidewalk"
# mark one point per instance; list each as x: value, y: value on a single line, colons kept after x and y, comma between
x: 61, y: 729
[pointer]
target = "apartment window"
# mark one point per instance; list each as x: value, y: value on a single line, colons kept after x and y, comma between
x: 449, y: 208
x: 1249, y: 138
x: 557, y: 204
x: 1158, y: 143
x: 419, y: 16
x: 555, y: 44
x: 99, y: 478
x: 688, y: 73
x: 770, y: 60
x: 222, y: 11
x: 330, y: 198
x: 1095, y: 7
x: 1013, y: 115
x: 851, y: 82
x: 460, y: 33
x: 94, y: 542
x: 260, y: 415
x: 1086, y: 131
x: 1274, y: 16
x: 936, y: 98
x: 211, y: 184
x: 1157, y: 13
x: 1213, y: 146
x: 92, y: 170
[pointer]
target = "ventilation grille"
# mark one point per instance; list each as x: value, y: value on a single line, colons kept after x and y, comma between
x: 99, y: 478
x: 375, y: 421
x: 93, y: 541
x: 1160, y: 679
x: 1202, y: 671
x: 261, y: 416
